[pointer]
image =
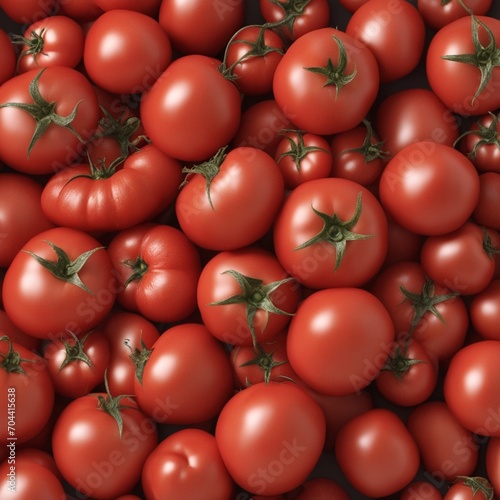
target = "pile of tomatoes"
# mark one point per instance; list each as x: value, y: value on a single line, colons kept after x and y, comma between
x: 250, y: 250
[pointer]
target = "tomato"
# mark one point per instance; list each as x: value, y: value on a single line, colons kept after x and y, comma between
x: 112, y: 439
x: 330, y: 233
x: 420, y: 185
x: 158, y: 269
x: 409, y: 375
x: 251, y: 59
x: 200, y: 27
x: 394, y: 31
x: 433, y: 314
x: 270, y: 437
x: 7, y: 57
x: 352, y: 5
x: 126, y: 51
x: 438, y: 13
x: 421, y: 490
x: 245, y: 296
x: 471, y: 388
x: 493, y: 463
x: 61, y: 280
x: 452, y: 56
x: 413, y: 115
x: 29, y: 11
x: 192, y: 110
x: 484, y: 310
x: 187, y: 464
x: 39, y: 456
x: 339, y: 339
x: 321, y: 488
x: 358, y: 155
x: 149, y: 7
x: 80, y: 10
x: 25, y: 384
x: 8, y: 329
x: 261, y: 125
x: 294, y: 18
x: 326, y: 82
x: 461, y: 260
x: 27, y: 479
x: 470, y: 488
x: 130, y: 337
x: 187, y: 378
x: 21, y: 215
x: 487, y: 209
x: 108, y: 197
x: 377, y: 453
x: 212, y: 208
x: 77, y: 365
x: 447, y: 449
x: 53, y: 41
x: 302, y: 157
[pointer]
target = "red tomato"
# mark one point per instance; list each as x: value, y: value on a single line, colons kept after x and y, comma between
x: 484, y: 310
x: 213, y: 206
x: 15, y: 335
x: 187, y: 378
x: 29, y: 11
x: 112, y: 439
x: 403, y: 245
x: 39, y: 456
x: 126, y: 51
x: 192, y: 110
x: 487, y: 211
x: 21, y: 215
x: 149, y: 7
x: 326, y: 82
x: 420, y: 185
x: 131, y: 336
x: 7, y: 57
x: 278, y: 431
x: 394, y: 31
x: 53, y: 41
x: 158, y: 270
x: 452, y: 56
x: 330, y: 233
x: 447, y: 449
x: 188, y: 465
x: 110, y: 197
x: 246, y: 297
x: 65, y: 105
x: 461, y: 260
x: 412, y: 115
x: 377, y: 453
x: 25, y: 384
x: 321, y: 488
x: 80, y: 10
x: 61, y: 280
x: 302, y: 157
x: 421, y: 490
x: 470, y: 488
x: 493, y: 463
x: 352, y: 5
x: 345, y: 328
x: 471, y: 387
x: 77, y: 365
x: 200, y: 27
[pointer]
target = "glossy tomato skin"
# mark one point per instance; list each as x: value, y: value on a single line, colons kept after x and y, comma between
x: 302, y: 93
x: 465, y: 488
x: 421, y: 490
x: 149, y: 7
x: 484, y: 310
x: 315, y: 265
x: 493, y: 463
x: 447, y: 449
x: 454, y: 39
x: 28, y: 11
x: 475, y: 405
x: 413, y: 115
x: 377, y: 453
x: 64, y: 306
x: 80, y: 10
x: 139, y: 190
x: 487, y: 209
x: 339, y: 339
x: 420, y: 185
x: 58, y: 146
x: 7, y: 57
x: 201, y: 27
x: 187, y: 464
x: 223, y: 221
x: 126, y: 51
x: 198, y: 107
x: 21, y: 214
x: 166, y: 266
x: 279, y: 432
x: 395, y: 33
x: 126, y: 332
x: 187, y: 378
x: 109, y: 463
x: 18, y: 336
x: 228, y: 322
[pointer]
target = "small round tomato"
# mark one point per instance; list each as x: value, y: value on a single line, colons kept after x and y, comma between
x: 487, y: 211
x: 484, y: 310
x: 470, y: 488
x: 421, y: 490
x: 321, y: 488
x: 377, y: 453
x: 420, y: 185
x: 7, y: 57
